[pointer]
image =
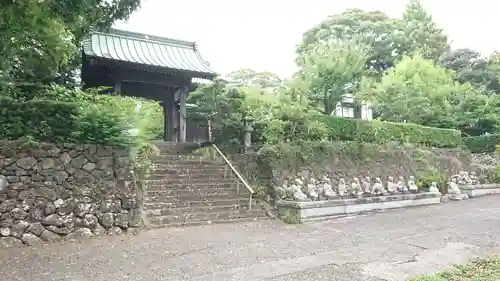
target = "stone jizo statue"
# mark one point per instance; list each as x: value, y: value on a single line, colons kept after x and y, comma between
x: 474, y: 178
x: 412, y: 186
x: 402, y: 185
x: 434, y: 188
x: 463, y: 178
x: 326, y: 189
x: 288, y: 190
x: 342, y: 188
x: 378, y: 187
x: 312, y: 190
x: 298, y: 195
x: 366, y: 185
x: 454, y: 192
x: 392, y: 188
x: 356, y: 188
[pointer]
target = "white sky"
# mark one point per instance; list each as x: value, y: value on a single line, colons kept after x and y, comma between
x: 262, y: 34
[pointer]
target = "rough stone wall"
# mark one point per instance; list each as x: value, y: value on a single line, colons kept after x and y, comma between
x: 51, y: 192
x: 380, y: 162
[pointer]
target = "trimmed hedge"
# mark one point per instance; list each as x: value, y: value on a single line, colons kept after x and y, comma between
x: 54, y: 121
x: 383, y: 132
x: 482, y: 144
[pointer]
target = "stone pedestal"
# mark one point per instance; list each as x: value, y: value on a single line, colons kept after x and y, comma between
x: 478, y: 190
x: 298, y: 212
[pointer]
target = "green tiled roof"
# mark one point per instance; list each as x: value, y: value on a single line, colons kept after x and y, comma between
x: 146, y: 50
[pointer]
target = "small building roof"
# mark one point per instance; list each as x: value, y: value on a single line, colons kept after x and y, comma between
x: 148, y: 50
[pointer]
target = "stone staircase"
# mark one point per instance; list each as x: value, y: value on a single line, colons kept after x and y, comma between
x: 186, y: 189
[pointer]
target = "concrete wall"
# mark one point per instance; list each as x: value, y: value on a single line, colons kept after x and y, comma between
x: 51, y: 192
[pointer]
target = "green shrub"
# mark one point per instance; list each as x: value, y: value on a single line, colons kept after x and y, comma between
x: 56, y: 121
x: 40, y: 120
x: 482, y: 144
x: 383, y: 132
x: 339, y: 128
x: 59, y: 114
x: 494, y: 175
x: 425, y: 180
x: 101, y: 124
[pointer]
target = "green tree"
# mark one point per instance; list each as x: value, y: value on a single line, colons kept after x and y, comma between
x: 374, y: 29
x: 415, y: 91
x: 267, y: 81
x: 389, y: 38
x: 494, y: 66
x: 332, y: 70
x: 470, y: 67
x: 475, y: 110
x: 421, y: 34
x: 220, y: 106
x: 41, y: 38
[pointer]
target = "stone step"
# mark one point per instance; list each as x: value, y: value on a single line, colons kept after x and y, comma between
x: 199, y: 223
x: 184, y: 161
x: 170, y: 181
x: 153, y: 186
x: 190, y: 198
x: 195, y: 210
x: 182, y: 177
x: 242, y: 201
x: 190, y: 166
x: 189, y: 191
x: 172, y: 145
x: 203, y: 217
x: 182, y: 170
x: 182, y: 156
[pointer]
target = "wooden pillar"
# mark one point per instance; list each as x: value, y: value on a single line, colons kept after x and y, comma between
x: 174, y: 116
x: 169, y: 116
x: 182, y: 113
x: 164, y: 106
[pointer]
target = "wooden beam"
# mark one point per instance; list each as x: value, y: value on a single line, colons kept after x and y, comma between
x: 167, y: 122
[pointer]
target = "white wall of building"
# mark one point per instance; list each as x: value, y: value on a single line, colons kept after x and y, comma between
x: 345, y: 108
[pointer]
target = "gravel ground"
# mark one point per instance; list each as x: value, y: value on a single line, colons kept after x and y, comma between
x: 393, y: 245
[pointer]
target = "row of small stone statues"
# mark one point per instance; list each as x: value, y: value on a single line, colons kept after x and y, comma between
x: 314, y: 190
x: 463, y: 178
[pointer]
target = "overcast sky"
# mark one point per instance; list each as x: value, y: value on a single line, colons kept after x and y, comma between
x: 262, y: 34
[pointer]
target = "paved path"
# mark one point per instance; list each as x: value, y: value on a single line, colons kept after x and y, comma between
x: 386, y: 246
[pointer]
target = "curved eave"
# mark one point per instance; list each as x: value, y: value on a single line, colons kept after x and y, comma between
x: 147, y: 54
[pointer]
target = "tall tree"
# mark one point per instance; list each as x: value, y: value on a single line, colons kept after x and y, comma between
x: 267, y: 81
x: 41, y: 38
x: 470, y: 67
x: 415, y: 91
x: 374, y: 29
x: 332, y: 70
x: 494, y: 66
x: 422, y: 34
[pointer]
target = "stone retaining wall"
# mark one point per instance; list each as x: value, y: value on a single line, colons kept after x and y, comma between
x: 52, y: 192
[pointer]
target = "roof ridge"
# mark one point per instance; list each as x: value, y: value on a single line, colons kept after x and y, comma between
x: 147, y: 37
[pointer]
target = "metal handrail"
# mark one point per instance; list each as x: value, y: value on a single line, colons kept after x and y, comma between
x: 238, y: 175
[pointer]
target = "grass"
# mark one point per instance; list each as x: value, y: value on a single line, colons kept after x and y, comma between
x: 479, y: 270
